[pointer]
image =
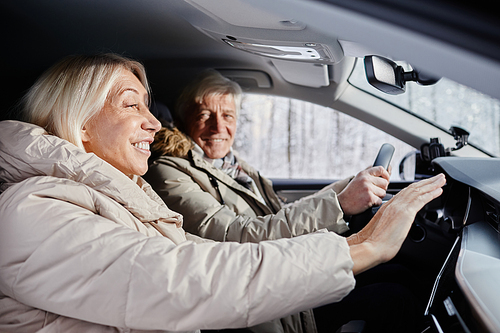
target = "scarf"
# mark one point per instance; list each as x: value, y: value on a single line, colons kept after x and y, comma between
x: 229, y: 165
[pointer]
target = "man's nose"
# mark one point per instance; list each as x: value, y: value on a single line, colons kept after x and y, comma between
x: 217, y: 123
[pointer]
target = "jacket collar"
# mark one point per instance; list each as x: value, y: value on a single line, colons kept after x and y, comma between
x: 271, y: 201
x: 27, y: 150
x: 202, y: 163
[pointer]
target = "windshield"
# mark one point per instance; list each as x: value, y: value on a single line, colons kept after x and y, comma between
x: 446, y: 104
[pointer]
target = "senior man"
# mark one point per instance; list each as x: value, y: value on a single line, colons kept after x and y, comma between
x: 222, y: 197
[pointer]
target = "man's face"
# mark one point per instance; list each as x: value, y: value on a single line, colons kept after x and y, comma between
x: 213, y: 125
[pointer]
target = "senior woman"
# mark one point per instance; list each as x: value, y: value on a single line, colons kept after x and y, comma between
x: 87, y: 246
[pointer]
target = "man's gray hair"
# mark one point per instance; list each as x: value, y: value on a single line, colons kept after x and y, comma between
x: 208, y: 83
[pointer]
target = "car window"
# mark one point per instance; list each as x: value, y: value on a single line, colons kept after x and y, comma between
x: 446, y: 104
x: 288, y: 138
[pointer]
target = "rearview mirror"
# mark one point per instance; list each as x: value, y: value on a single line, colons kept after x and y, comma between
x: 389, y: 77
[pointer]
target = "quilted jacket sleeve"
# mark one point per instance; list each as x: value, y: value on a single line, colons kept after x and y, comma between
x: 65, y: 258
x: 206, y: 216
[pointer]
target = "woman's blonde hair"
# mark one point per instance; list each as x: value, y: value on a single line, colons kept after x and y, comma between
x: 170, y: 142
x: 72, y: 91
x: 208, y: 83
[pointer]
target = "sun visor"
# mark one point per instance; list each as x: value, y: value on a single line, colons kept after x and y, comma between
x: 248, y: 78
x: 243, y: 14
x: 266, y: 34
x: 303, y: 74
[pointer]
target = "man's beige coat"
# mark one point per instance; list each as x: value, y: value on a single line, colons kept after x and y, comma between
x: 193, y: 187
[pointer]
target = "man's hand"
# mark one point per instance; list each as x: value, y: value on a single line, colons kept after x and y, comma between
x: 365, y: 190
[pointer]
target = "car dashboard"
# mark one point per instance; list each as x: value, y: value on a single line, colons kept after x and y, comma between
x: 466, y: 292
x: 453, y: 245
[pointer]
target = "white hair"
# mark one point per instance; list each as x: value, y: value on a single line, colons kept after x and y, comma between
x: 75, y: 89
x: 208, y: 83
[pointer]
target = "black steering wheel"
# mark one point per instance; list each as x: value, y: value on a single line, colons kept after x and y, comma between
x: 358, y: 221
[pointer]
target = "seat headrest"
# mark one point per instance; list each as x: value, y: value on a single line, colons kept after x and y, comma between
x: 161, y: 112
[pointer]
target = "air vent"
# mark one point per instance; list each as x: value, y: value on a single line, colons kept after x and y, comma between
x: 491, y: 212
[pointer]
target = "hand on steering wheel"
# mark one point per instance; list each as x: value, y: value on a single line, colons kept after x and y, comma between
x: 368, y: 188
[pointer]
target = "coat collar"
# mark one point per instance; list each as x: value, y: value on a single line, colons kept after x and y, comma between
x: 201, y: 163
x: 27, y: 150
x: 271, y: 202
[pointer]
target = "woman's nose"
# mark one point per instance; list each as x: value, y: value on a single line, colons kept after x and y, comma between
x: 152, y: 123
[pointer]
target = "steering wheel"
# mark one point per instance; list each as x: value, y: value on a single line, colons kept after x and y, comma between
x: 358, y: 221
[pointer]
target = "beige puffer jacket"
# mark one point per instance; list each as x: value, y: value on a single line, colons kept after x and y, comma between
x: 81, y: 250
x: 193, y: 187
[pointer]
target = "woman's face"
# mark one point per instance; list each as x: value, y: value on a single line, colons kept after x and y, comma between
x: 213, y: 125
x: 122, y: 131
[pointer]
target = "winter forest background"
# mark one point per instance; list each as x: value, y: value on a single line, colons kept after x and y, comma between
x: 287, y: 138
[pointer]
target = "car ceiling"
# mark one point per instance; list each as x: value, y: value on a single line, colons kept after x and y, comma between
x: 176, y: 39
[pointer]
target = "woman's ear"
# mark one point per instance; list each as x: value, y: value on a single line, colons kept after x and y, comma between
x: 85, y: 135
x: 86, y: 140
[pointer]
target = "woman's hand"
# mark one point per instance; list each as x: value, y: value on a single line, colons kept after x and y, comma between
x: 380, y: 240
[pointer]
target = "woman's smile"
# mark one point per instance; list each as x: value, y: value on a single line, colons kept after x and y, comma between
x: 124, y: 123
x: 142, y: 146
